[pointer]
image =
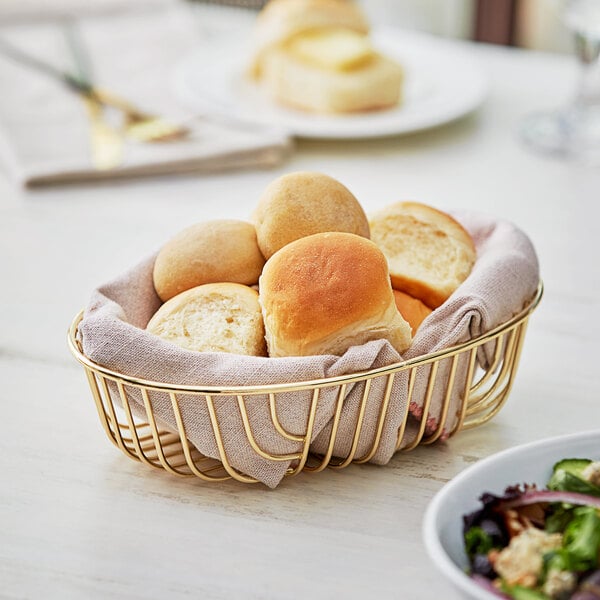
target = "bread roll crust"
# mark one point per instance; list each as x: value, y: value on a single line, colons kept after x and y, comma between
x: 304, y: 203
x: 412, y: 309
x: 215, y: 317
x: 323, y: 293
x: 429, y: 253
x: 223, y: 250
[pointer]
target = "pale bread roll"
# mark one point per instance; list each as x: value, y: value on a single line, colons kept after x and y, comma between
x: 304, y: 203
x: 327, y: 292
x: 281, y: 20
x: 372, y: 86
x: 313, y: 84
x: 215, y: 317
x: 411, y: 309
x: 429, y: 253
x: 223, y: 250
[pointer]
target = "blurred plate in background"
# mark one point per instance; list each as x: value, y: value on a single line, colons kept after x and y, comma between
x: 442, y: 84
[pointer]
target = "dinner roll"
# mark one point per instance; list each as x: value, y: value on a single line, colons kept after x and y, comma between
x: 326, y: 292
x: 281, y: 20
x: 210, y: 252
x: 411, y: 309
x: 215, y: 317
x: 374, y: 82
x: 303, y: 203
x: 428, y: 252
x: 317, y: 55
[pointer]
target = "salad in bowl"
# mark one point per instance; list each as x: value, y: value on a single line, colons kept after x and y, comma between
x: 534, y: 543
x: 479, y: 496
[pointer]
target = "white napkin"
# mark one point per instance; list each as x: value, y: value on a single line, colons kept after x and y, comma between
x: 44, y: 127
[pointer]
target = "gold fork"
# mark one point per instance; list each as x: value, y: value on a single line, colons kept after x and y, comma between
x: 136, y: 124
x: 140, y: 125
x: 106, y: 142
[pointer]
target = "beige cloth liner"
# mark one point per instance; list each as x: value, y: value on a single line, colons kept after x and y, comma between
x: 503, y: 279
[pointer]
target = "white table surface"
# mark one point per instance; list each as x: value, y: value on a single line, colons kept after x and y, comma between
x: 80, y: 520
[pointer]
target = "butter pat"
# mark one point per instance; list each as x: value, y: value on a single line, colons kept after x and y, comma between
x: 333, y: 49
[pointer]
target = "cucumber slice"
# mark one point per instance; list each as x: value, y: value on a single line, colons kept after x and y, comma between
x: 575, y: 466
x: 567, y: 476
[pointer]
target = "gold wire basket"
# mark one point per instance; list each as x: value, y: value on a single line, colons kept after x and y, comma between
x: 483, y: 391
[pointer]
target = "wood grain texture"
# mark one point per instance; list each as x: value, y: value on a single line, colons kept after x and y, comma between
x: 79, y: 520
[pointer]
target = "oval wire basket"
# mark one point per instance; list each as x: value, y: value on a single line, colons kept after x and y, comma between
x: 483, y: 391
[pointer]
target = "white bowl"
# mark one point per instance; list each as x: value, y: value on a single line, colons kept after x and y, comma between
x: 530, y: 463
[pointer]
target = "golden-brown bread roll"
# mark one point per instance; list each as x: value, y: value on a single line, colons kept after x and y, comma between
x: 326, y: 292
x: 303, y: 203
x: 412, y: 309
x: 316, y: 55
x: 215, y: 317
x: 429, y: 253
x: 210, y: 252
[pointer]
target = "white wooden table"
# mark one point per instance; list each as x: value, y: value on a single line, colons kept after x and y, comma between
x: 80, y: 520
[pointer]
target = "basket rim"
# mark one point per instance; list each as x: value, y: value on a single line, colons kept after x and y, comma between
x: 347, y: 378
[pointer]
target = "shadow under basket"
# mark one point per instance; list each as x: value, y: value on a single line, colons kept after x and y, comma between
x: 483, y: 391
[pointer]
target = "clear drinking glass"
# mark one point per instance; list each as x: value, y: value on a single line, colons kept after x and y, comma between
x: 574, y: 130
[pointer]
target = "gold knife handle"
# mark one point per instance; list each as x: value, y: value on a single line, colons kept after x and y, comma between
x: 106, y: 142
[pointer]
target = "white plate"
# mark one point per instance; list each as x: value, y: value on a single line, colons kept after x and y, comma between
x: 442, y: 83
x: 531, y: 463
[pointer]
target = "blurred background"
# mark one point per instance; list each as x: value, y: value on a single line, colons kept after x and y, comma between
x: 163, y: 56
x: 533, y: 24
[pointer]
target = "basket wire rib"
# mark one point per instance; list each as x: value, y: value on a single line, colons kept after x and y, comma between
x: 357, y: 428
x: 380, y: 421
x: 482, y: 391
x: 323, y: 461
x: 445, y: 405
